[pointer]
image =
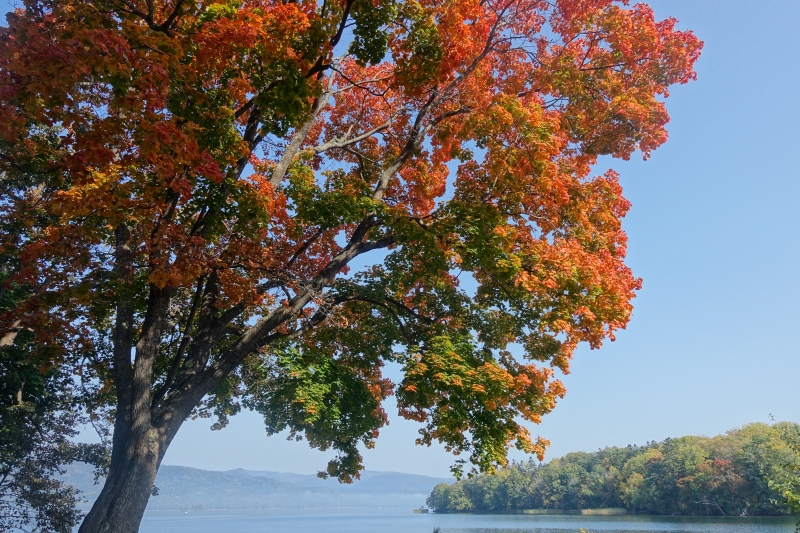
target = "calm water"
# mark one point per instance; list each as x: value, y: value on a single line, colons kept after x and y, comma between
x: 396, y: 521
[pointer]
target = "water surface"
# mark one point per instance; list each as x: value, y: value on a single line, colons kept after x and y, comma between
x: 403, y: 521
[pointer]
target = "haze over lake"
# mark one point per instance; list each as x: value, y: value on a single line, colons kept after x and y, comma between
x: 191, y: 489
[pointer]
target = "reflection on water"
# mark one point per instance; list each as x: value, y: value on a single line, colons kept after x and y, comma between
x: 628, y: 524
x: 403, y: 521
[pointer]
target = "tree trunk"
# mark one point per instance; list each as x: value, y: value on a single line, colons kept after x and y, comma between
x: 134, y: 465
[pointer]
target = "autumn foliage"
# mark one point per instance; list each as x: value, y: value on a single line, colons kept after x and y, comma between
x: 217, y: 203
x: 728, y: 475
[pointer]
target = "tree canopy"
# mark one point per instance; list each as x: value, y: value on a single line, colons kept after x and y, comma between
x: 255, y: 202
x: 786, y: 479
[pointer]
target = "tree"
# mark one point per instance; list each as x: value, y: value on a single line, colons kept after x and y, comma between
x: 33, y: 442
x: 37, y: 419
x: 786, y: 478
x: 258, y: 203
x: 39, y: 412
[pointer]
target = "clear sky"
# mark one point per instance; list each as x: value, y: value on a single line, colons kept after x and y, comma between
x: 715, y: 233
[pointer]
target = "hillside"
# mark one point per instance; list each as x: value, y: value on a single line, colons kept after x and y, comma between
x: 723, y: 475
x: 191, y: 488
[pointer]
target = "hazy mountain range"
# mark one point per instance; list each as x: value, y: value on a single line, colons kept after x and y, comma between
x: 180, y: 487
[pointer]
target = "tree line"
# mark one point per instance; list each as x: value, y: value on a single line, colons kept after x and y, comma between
x: 738, y: 473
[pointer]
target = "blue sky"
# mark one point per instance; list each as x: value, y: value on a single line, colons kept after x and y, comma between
x: 715, y: 234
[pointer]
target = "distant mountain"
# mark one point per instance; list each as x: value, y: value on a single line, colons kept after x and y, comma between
x: 370, y: 482
x: 191, y: 488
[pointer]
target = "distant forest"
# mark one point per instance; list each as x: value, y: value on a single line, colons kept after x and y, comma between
x: 723, y: 475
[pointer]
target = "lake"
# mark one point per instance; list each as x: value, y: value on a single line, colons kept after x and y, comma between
x: 403, y: 521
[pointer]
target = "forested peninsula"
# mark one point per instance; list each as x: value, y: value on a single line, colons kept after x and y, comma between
x: 725, y: 475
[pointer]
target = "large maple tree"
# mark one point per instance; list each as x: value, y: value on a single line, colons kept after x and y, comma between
x: 260, y: 202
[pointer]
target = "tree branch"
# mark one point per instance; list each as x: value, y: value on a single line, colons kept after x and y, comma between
x: 204, y: 379
x: 185, y: 339
x: 299, y: 137
x: 342, y: 142
x: 414, y: 141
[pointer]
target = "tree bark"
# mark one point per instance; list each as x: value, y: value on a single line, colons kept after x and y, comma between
x: 122, y: 502
x: 139, y: 443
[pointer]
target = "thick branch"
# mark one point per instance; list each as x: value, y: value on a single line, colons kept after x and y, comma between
x: 186, y: 337
x: 200, y: 349
x: 11, y: 335
x: 320, y: 65
x: 185, y: 397
x: 299, y: 137
x: 147, y: 350
x: 300, y: 251
x: 250, y: 103
x: 344, y: 141
x: 414, y: 140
